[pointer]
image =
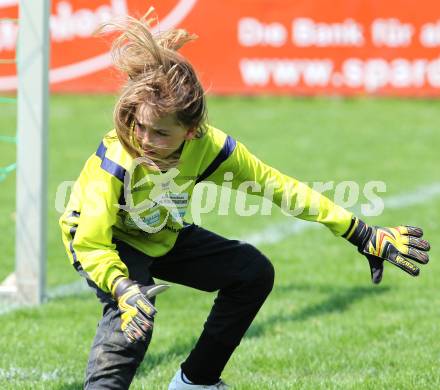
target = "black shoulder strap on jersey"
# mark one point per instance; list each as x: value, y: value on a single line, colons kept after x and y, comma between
x: 226, y: 151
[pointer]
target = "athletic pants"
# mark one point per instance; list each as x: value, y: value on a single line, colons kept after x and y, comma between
x: 200, y: 259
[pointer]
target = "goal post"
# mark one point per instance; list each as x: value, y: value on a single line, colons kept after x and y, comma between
x: 28, y: 283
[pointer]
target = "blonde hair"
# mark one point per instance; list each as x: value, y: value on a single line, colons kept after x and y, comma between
x: 159, y: 77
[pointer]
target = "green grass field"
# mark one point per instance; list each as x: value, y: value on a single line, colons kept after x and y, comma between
x: 325, y: 326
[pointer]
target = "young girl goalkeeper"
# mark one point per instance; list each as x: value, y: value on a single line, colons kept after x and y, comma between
x: 124, y: 225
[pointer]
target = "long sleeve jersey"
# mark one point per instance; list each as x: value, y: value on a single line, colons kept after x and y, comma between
x: 117, y: 197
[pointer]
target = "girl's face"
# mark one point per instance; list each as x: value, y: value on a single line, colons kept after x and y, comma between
x: 161, y: 137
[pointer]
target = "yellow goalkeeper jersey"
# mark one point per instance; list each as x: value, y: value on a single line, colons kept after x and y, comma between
x: 116, y: 197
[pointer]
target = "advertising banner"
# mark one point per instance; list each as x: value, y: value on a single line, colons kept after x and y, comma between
x: 302, y: 47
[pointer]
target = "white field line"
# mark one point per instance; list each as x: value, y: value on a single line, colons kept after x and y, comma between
x: 279, y: 231
x: 270, y: 235
x: 35, y: 375
x: 69, y: 289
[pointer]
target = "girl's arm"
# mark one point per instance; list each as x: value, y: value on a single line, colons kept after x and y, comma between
x: 294, y: 197
x: 87, y: 224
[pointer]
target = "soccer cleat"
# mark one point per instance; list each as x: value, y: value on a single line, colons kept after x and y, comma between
x: 179, y: 383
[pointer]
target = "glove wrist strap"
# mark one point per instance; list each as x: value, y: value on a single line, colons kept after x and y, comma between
x: 357, y: 233
x: 120, y: 284
x: 354, y: 222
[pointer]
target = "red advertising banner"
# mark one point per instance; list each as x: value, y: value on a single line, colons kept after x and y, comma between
x: 302, y: 47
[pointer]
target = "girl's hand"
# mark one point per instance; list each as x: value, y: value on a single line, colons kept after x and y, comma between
x: 137, y: 312
x: 399, y: 245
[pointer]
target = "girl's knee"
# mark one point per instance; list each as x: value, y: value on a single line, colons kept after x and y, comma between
x: 259, y: 271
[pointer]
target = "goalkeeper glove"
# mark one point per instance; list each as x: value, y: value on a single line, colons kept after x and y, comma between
x: 397, y: 245
x: 137, y: 312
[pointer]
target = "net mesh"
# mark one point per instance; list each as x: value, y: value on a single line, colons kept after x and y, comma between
x: 5, y: 171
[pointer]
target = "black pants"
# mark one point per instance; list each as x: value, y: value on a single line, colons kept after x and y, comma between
x: 202, y: 260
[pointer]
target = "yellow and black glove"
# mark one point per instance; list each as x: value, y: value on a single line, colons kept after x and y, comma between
x: 137, y: 312
x: 397, y: 245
